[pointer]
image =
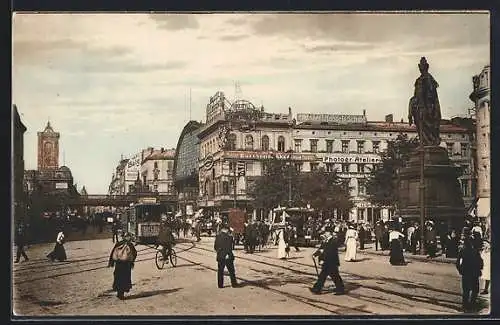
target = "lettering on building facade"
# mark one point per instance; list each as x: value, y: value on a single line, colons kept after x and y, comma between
x: 333, y: 118
x: 252, y: 155
x: 352, y: 158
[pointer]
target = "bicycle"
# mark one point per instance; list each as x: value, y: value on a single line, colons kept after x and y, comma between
x: 160, y: 260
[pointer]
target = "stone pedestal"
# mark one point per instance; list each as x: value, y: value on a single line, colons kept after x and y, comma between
x: 443, y: 195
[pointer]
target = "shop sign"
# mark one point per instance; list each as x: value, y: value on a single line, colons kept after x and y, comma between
x: 352, y: 158
x: 254, y: 155
x: 208, y: 163
x: 333, y: 118
x: 61, y: 185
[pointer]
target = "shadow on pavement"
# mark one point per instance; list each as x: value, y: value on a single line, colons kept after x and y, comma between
x: 152, y: 293
x: 360, y: 260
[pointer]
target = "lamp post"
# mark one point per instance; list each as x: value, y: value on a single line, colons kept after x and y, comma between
x: 422, y: 189
x: 235, y: 180
x: 289, y: 178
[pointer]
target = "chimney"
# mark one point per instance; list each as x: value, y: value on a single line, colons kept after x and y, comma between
x: 162, y: 149
x: 389, y: 118
x: 364, y: 112
x: 402, y: 121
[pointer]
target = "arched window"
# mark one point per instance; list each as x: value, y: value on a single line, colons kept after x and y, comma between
x: 231, y: 142
x: 281, y: 143
x: 265, y: 143
x: 248, y: 142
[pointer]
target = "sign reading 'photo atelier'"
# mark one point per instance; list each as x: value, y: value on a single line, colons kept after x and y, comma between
x: 352, y: 158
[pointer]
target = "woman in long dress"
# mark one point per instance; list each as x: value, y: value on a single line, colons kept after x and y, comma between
x: 281, y: 244
x: 122, y: 275
x: 396, y: 256
x: 485, y: 273
x: 351, y: 237
x: 59, y: 253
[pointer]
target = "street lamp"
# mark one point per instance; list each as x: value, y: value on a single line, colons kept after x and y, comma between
x: 289, y: 158
x: 422, y: 189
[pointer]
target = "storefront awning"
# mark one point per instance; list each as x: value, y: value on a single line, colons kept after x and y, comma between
x: 483, y: 207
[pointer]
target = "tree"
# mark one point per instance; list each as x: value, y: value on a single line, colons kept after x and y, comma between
x: 381, y: 186
x: 324, y: 191
x: 272, y: 189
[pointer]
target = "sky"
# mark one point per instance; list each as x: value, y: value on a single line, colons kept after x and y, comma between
x: 112, y: 84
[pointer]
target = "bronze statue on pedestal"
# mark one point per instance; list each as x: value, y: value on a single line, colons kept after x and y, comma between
x: 424, y: 109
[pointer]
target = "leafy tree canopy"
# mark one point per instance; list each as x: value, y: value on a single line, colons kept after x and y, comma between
x: 323, y: 190
x: 381, y: 186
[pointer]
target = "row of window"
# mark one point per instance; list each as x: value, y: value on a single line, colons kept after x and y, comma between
x: 313, y: 145
x: 463, y: 149
x: 249, y: 142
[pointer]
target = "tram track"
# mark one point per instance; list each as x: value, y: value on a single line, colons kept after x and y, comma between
x: 451, y: 304
x: 100, y: 261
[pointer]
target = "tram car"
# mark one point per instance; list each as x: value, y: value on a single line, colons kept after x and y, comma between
x: 142, y: 220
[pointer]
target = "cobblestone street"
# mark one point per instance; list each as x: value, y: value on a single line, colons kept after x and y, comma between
x: 269, y: 286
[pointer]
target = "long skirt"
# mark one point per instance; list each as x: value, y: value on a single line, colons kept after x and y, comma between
x: 396, y: 257
x: 485, y: 273
x: 281, y: 248
x: 122, y: 281
x: 59, y: 253
x: 350, y: 250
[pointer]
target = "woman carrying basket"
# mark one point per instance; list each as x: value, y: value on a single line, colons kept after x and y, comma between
x: 122, y: 257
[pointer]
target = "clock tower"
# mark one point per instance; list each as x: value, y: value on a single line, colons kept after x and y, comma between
x: 48, y: 148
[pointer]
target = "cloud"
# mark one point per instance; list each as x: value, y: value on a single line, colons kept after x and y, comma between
x: 233, y: 37
x: 338, y: 47
x: 175, y: 21
x: 375, y: 28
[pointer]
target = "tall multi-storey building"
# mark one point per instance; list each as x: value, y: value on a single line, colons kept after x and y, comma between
x: 234, y: 142
x: 481, y: 98
x: 157, y: 170
x: 117, y: 185
x: 352, y: 145
x: 185, y: 172
x: 238, y: 138
x: 18, y: 189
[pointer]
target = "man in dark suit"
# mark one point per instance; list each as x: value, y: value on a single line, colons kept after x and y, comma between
x: 329, y: 253
x: 225, y: 258
x: 469, y: 264
x: 20, y: 241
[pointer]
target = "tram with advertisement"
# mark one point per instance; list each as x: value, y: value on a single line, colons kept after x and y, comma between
x: 142, y: 220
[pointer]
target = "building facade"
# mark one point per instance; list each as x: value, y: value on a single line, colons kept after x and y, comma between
x: 117, y: 184
x: 50, y: 188
x: 352, y: 145
x: 185, y: 171
x: 481, y: 98
x: 18, y: 188
x: 157, y: 170
x: 234, y: 143
x: 238, y: 138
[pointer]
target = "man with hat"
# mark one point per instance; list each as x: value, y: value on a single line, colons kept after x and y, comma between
x: 165, y: 237
x: 329, y: 254
x: 225, y: 258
